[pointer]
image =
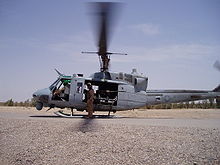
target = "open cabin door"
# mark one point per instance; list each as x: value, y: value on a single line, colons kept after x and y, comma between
x: 76, y: 91
x: 106, y: 93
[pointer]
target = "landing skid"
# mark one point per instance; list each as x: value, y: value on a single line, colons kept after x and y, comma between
x: 62, y: 114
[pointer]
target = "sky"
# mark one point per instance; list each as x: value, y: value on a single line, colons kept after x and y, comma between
x: 175, y: 43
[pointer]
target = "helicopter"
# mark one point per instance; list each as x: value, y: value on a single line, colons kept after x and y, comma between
x: 113, y: 91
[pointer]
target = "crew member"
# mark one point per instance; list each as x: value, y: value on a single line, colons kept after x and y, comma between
x: 90, y: 99
x: 63, y: 92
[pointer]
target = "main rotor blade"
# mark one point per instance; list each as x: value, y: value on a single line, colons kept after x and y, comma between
x: 104, y: 14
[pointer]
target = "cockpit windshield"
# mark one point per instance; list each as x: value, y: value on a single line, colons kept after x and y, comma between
x: 52, y: 86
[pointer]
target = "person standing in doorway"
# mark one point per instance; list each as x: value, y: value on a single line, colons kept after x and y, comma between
x: 90, y: 100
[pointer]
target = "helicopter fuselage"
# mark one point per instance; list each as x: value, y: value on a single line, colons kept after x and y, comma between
x: 122, y: 92
x: 110, y: 95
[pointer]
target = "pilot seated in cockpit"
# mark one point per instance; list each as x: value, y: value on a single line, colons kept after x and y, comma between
x: 63, y: 93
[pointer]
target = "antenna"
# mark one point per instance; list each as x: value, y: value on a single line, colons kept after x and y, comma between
x: 60, y: 74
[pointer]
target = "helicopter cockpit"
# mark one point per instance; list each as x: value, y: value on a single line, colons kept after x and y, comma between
x: 60, y: 89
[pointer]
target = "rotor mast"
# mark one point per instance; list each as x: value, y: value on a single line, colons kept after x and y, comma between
x: 104, y: 65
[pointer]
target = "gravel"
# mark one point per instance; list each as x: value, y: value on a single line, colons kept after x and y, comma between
x: 98, y: 141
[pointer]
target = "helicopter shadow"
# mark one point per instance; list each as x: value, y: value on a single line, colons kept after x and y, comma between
x: 87, y: 125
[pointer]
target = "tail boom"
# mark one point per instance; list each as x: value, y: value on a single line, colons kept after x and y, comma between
x: 175, y: 96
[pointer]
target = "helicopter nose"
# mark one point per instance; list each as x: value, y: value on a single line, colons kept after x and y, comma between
x: 37, y: 94
x: 34, y: 95
x: 42, y: 95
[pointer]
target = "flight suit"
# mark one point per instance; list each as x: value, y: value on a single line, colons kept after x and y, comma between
x: 90, y: 99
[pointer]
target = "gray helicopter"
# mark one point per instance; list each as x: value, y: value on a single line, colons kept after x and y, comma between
x: 113, y: 91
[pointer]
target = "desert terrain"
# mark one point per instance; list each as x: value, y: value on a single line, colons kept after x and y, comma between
x: 140, y: 136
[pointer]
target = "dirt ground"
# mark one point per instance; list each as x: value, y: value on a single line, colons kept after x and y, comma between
x: 173, y: 113
x: 177, y: 136
x: 136, y: 113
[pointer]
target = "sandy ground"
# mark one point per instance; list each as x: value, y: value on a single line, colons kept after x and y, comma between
x: 186, y: 136
x: 137, y: 113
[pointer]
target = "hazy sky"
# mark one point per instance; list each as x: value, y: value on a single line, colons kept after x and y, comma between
x: 175, y: 43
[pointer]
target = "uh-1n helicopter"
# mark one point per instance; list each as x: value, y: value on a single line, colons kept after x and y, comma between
x: 113, y: 91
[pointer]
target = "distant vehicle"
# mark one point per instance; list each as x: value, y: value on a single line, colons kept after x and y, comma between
x: 113, y: 91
